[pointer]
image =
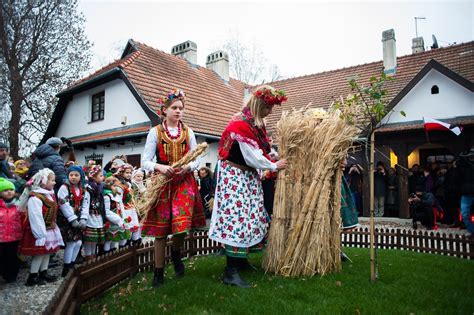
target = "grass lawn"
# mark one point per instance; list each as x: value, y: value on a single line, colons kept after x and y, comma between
x: 408, y: 283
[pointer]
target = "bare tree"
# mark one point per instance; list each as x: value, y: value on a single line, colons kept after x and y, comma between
x: 248, y: 64
x: 43, y: 48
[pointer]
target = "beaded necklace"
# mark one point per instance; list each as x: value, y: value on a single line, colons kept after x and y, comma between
x: 165, y: 125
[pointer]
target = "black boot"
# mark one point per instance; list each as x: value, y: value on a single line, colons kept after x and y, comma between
x: 232, y: 277
x: 48, y: 278
x: 33, y: 279
x: 244, y: 265
x: 158, y: 278
x: 177, y: 263
x: 66, y: 269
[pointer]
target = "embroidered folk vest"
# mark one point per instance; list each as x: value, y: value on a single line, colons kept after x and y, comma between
x: 169, y: 151
x: 50, y: 210
x: 96, y: 206
x: 74, y: 202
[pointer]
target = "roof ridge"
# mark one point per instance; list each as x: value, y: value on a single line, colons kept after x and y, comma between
x: 372, y: 62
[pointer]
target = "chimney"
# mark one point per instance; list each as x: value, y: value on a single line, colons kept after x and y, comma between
x: 219, y: 62
x: 418, y: 45
x: 186, y: 50
x: 389, y: 52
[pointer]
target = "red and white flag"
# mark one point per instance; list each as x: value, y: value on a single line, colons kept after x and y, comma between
x: 433, y: 124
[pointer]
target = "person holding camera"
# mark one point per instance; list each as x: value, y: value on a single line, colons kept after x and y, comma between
x: 380, y: 179
x: 421, y: 206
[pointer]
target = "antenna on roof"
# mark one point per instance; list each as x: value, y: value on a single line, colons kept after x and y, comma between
x: 416, y: 23
x: 435, y: 42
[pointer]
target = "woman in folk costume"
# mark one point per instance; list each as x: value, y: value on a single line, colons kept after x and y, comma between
x: 239, y: 219
x: 41, y: 235
x: 72, y: 218
x: 180, y: 207
x: 116, y: 233
x: 124, y: 175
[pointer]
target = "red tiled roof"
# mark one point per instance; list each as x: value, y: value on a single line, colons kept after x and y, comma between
x: 211, y: 101
x: 110, y: 135
x: 322, y: 88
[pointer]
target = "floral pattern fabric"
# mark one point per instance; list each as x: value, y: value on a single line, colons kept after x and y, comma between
x: 239, y: 218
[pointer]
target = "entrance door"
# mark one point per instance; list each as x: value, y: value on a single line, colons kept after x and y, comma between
x: 134, y: 160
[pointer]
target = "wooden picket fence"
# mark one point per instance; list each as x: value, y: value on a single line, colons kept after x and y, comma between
x: 98, y: 275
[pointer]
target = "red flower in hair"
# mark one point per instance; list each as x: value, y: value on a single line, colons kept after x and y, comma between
x: 107, y: 225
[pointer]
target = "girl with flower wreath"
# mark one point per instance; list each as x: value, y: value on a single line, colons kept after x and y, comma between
x: 124, y: 188
x: 239, y: 219
x: 180, y: 207
x: 72, y: 218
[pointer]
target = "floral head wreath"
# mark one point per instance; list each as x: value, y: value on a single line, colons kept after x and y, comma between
x: 271, y: 96
x: 166, y: 100
x: 123, y: 168
x: 93, y: 171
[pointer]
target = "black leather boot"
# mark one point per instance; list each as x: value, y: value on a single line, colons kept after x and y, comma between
x: 232, y: 277
x: 33, y: 279
x: 244, y: 265
x: 66, y: 269
x: 158, y: 278
x: 48, y: 278
x: 177, y: 263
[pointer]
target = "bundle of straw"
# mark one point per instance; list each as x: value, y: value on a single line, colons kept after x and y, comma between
x: 157, y: 182
x: 304, y: 237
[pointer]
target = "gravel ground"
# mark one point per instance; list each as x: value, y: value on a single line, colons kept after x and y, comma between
x: 16, y: 298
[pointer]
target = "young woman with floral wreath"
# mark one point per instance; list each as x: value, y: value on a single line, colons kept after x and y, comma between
x: 239, y: 219
x: 180, y: 207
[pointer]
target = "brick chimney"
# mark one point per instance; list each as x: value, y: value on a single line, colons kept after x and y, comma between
x: 418, y: 45
x: 186, y: 50
x: 219, y: 62
x: 389, y: 52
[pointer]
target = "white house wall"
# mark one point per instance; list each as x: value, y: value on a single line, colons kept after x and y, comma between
x: 452, y: 101
x: 119, y: 102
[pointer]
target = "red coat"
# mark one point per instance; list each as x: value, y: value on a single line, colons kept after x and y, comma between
x: 10, y: 223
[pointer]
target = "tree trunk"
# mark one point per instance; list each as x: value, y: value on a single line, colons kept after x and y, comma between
x: 14, y: 125
x: 373, y: 264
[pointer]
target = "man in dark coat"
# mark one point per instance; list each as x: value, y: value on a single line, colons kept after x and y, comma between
x: 465, y: 173
x: 47, y: 156
x: 4, y: 167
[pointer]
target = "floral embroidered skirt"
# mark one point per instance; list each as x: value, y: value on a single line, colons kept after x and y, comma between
x: 238, y: 218
x: 179, y: 210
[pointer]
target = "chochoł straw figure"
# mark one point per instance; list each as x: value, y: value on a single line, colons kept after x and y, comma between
x: 179, y: 208
x: 239, y: 219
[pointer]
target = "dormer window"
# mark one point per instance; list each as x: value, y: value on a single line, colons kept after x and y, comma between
x: 98, y: 104
x: 434, y: 89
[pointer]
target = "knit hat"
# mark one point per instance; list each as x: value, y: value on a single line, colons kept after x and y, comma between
x: 3, y: 145
x: 5, y: 184
x: 54, y: 141
x: 77, y: 168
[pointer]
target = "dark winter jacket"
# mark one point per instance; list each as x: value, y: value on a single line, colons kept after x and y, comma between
x: 465, y: 172
x: 47, y: 157
x: 5, y: 169
x: 380, y: 184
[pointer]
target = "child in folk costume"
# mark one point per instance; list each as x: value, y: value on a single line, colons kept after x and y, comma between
x: 72, y: 219
x: 93, y: 203
x: 180, y: 207
x: 124, y: 175
x: 138, y: 182
x: 116, y: 234
x: 239, y: 219
x: 41, y: 235
x: 10, y: 231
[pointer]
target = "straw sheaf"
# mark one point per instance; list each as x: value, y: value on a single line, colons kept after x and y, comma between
x: 304, y: 238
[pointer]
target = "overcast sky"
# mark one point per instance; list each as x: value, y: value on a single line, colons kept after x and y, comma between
x: 299, y: 37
